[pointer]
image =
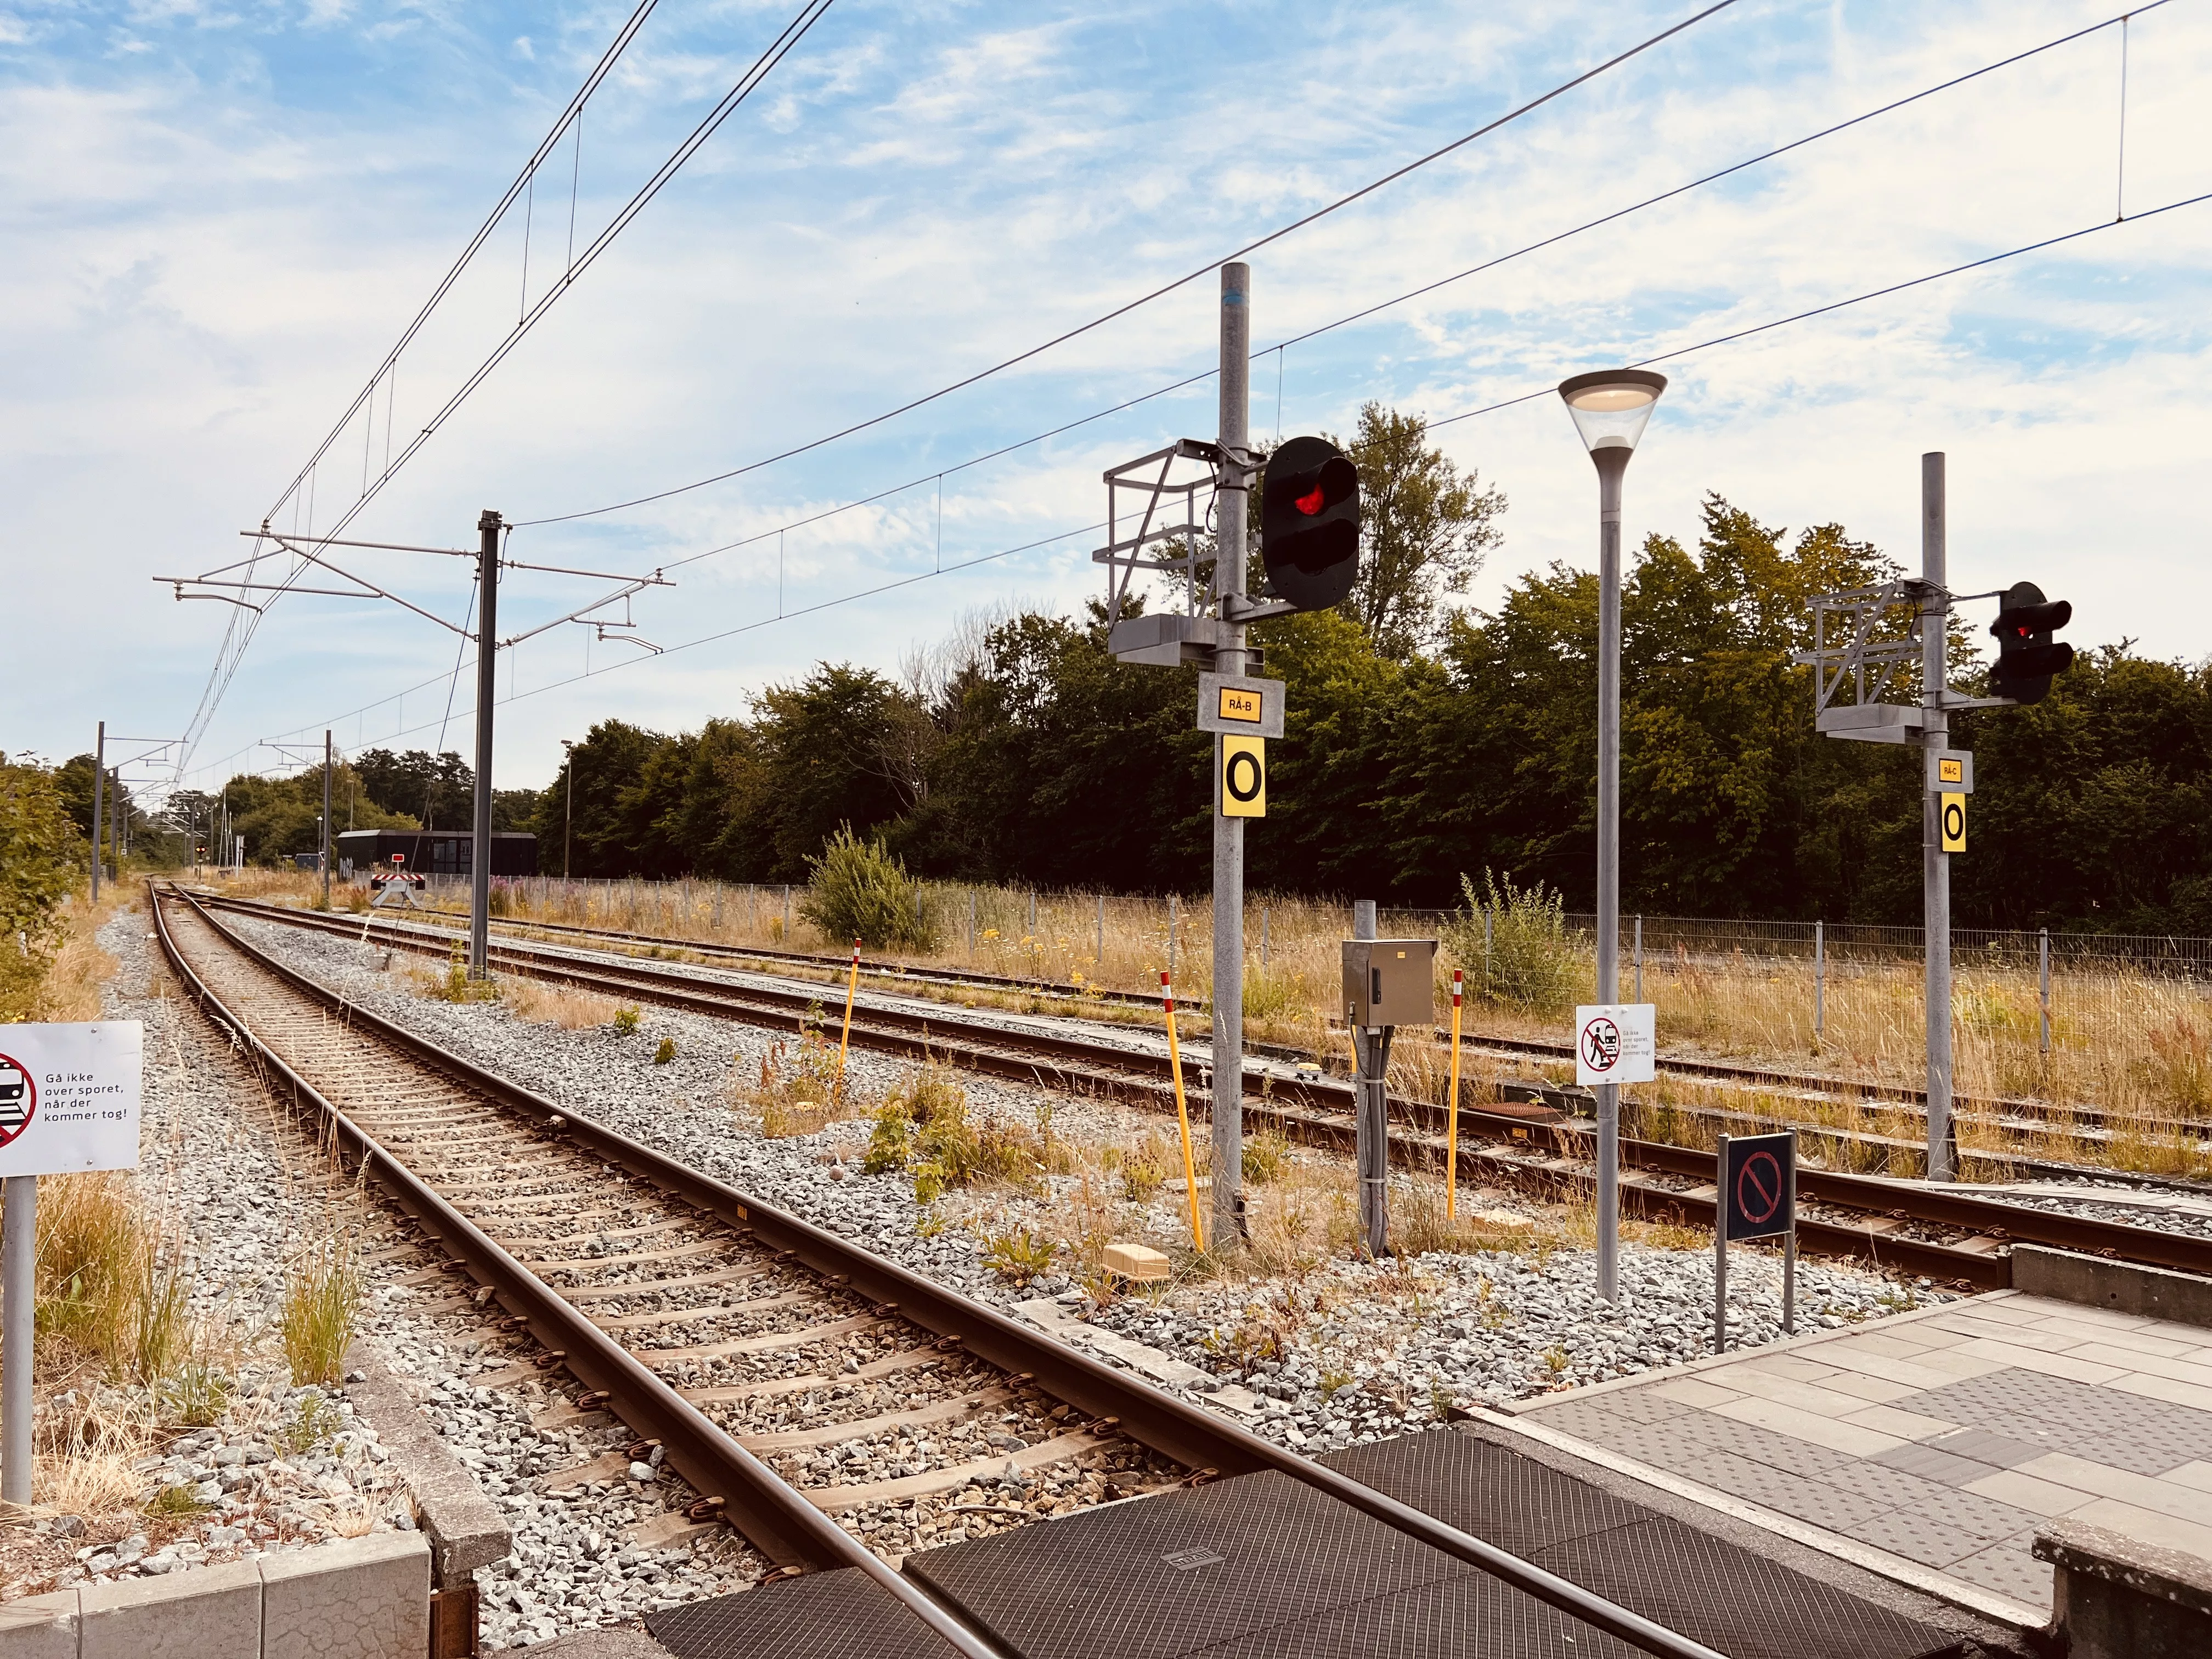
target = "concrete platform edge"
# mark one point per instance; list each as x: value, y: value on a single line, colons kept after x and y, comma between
x: 465, y: 1528
x: 2118, y: 1286
x: 1986, y: 1604
x: 1709, y: 1362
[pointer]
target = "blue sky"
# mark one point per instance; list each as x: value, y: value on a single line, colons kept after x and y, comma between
x: 221, y: 216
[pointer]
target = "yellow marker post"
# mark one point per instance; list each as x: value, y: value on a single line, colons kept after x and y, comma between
x: 851, y: 986
x: 1451, y: 1123
x: 1182, y: 1114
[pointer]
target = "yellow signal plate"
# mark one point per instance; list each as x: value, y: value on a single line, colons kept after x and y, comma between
x: 1954, y: 821
x: 1243, y: 786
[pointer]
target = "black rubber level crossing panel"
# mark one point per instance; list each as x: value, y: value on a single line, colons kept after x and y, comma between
x: 843, y: 1614
x: 1713, y: 1591
x: 1261, y: 1566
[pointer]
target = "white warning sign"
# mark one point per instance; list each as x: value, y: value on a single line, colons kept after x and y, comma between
x: 1616, y: 1043
x: 69, y: 1097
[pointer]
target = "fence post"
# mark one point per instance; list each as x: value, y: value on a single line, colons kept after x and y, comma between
x: 1171, y: 934
x: 971, y: 922
x: 1820, y: 982
x: 1031, y: 929
x: 1489, y: 923
x: 1100, y: 959
x: 2043, y: 984
x: 1639, y: 958
x: 1263, y: 936
x: 787, y: 913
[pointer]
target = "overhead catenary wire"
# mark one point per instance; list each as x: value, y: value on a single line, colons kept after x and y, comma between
x: 240, y: 633
x: 1165, y: 289
x: 1547, y: 390
x: 1364, y: 313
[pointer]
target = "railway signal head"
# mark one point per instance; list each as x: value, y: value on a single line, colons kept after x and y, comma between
x: 2026, y: 657
x: 1310, y: 523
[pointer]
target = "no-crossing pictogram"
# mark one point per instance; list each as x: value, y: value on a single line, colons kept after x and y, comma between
x: 19, y: 1098
x: 1601, y: 1044
x: 1759, y: 1188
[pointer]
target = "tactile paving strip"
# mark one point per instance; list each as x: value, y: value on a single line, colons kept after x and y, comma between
x: 2054, y: 1413
x: 1262, y: 1566
x: 843, y: 1614
x: 1716, y: 1592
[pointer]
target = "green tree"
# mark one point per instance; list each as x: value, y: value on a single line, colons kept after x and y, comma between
x: 1424, y: 531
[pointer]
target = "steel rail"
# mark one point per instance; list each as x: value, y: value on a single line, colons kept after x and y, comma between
x: 1197, y: 1438
x: 1998, y: 1111
x: 770, y: 1514
x: 1315, y: 1110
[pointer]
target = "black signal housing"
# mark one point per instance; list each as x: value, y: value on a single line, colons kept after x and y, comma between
x: 1310, y: 523
x: 2027, y: 655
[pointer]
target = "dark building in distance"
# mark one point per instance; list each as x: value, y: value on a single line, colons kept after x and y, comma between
x: 436, y: 851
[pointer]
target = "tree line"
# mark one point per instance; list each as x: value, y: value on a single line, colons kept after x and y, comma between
x: 1423, y: 739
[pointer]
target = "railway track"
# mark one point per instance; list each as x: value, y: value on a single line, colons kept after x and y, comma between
x: 1942, y: 1234
x: 2086, y: 1128
x: 758, y: 1357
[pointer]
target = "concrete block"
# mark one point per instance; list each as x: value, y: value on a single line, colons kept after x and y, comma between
x: 363, y: 1598
x: 2116, y: 1597
x: 203, y: 1613
x: 1140, y: 1262
x: 2093, y: 1282
x: 39, y: 1626
x: 466, y: 1529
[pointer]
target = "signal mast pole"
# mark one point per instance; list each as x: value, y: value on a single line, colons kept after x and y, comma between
x: 488, y: 528
x: 1232, y: 490
x: 1935, y: 863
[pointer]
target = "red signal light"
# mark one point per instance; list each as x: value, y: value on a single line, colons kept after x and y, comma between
x: 1309, y: 505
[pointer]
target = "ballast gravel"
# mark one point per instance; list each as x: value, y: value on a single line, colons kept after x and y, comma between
x: 285, y: 1467
x: 1358, y: 1349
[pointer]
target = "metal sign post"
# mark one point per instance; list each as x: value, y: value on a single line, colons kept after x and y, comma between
x: 1758, y: 1199
x: 69, y: 1101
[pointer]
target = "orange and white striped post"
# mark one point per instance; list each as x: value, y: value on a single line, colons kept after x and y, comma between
x: 1451, y: 1110
x: 1182, y: 1112
x: 851, y: 986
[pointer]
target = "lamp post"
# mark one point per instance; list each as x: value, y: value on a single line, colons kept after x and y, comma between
x: 1610, y: 409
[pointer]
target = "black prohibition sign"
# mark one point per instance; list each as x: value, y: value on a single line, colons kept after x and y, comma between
x: 1755, y: 1188
x: 1243, y: 758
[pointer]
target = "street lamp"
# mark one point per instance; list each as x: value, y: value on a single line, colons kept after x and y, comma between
x: 1610, y: 409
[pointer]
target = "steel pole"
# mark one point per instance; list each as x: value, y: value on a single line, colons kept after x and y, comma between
x: 1611, y: 466
x: 326, y: 820
x: 1371, y: 1124
x: 488, y: 528
x: 19, y: 1254
x: 98, y: 783
x: 1935, y: 863
x: 1228, y: 1000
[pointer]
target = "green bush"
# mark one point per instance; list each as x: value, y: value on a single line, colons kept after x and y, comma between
x: 858, y: 889
x: 1527, y: 961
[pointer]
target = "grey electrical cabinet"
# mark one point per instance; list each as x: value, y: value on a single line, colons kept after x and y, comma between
x: 1389, y: 982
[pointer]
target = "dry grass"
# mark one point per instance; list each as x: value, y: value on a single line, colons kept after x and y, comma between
x: 2137, y: 1048
x: 801, y: 1089
x: 323, y: 1294
x: 548, y: 1004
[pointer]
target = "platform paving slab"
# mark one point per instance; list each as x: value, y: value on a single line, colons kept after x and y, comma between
x: 363, y: 1598
x: 2005, y: 1411
x: 209, y: 1613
